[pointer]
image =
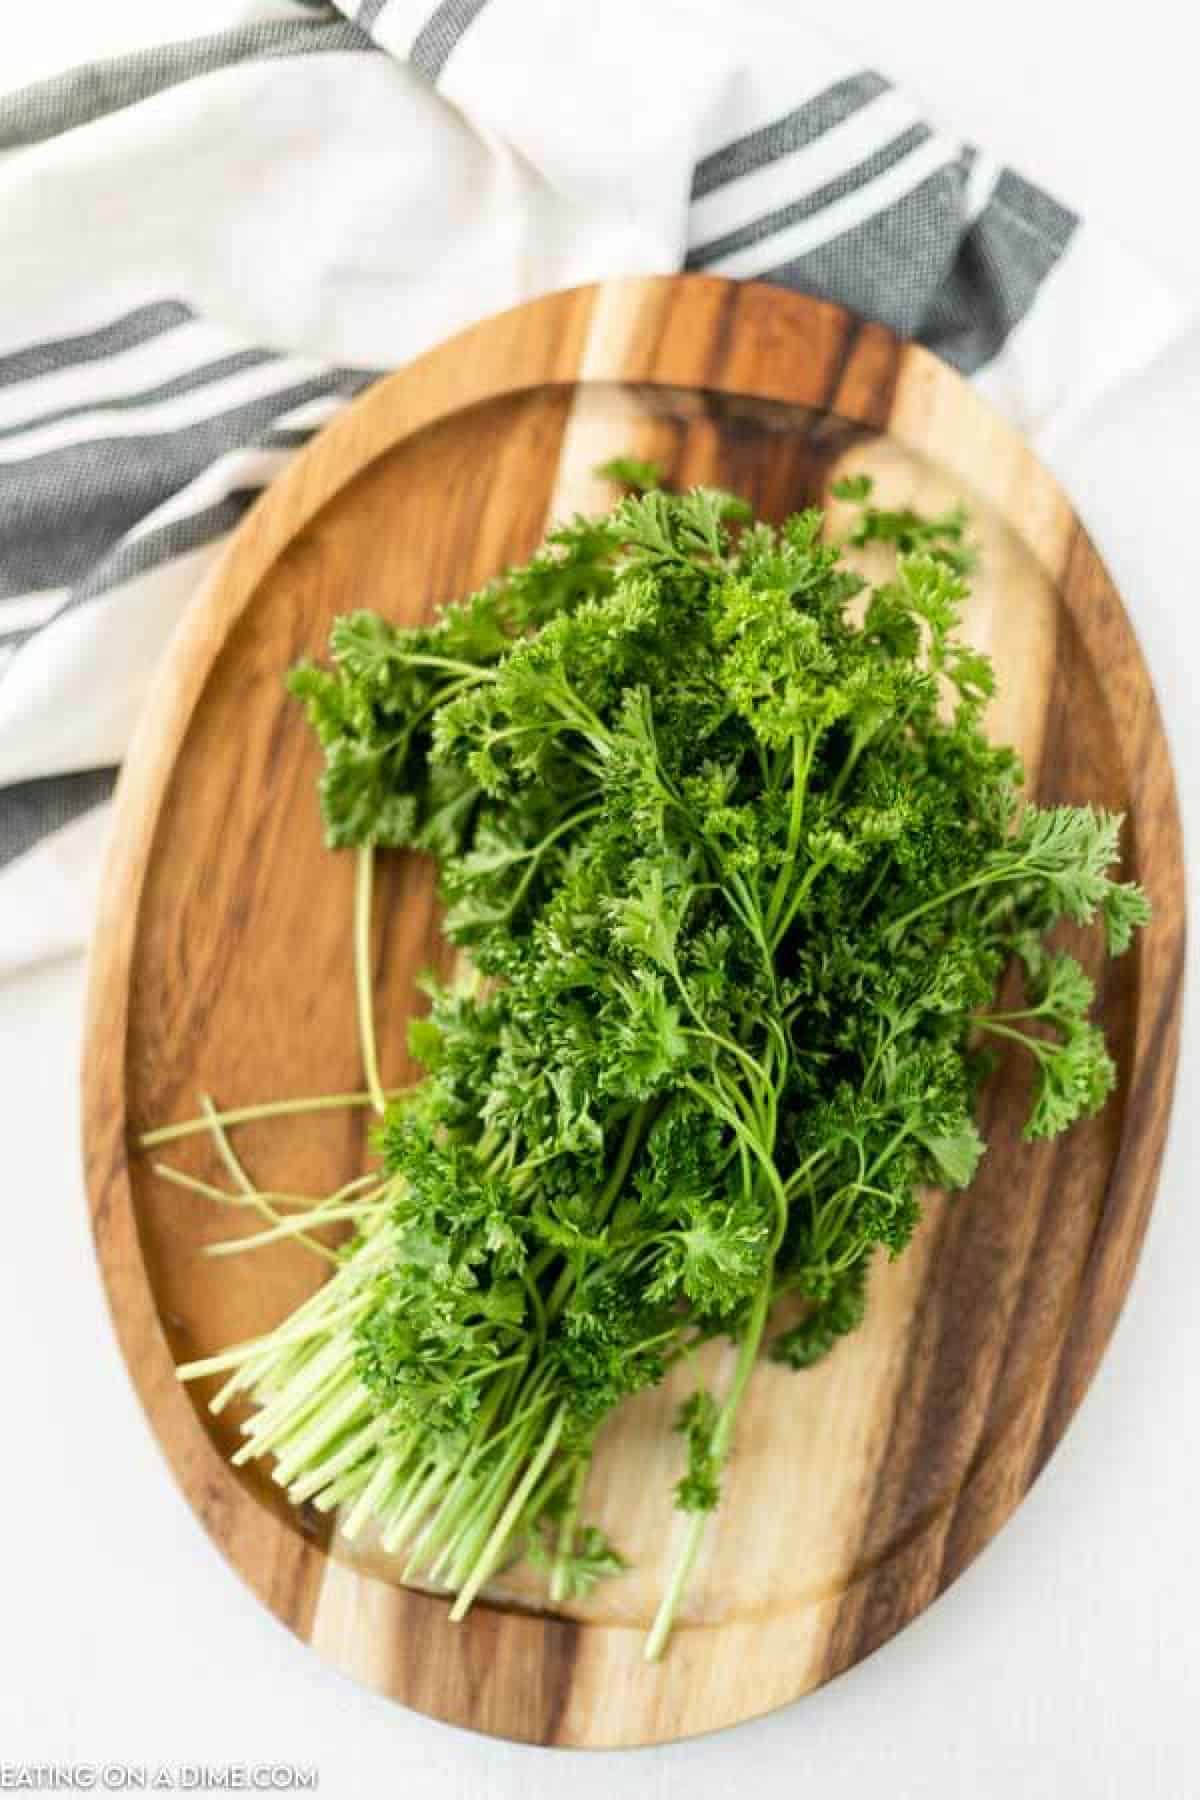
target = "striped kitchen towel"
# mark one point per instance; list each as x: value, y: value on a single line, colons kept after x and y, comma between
x: 208, y: 247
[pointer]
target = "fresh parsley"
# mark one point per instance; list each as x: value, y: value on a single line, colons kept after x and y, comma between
x: 738, y: 872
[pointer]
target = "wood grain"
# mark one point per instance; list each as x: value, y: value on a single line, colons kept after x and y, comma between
x: 222, y: 960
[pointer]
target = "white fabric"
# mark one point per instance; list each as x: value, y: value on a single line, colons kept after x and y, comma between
x: 337, y: 208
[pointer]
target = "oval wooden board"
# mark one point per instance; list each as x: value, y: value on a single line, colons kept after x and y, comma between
x: 859, y: 1490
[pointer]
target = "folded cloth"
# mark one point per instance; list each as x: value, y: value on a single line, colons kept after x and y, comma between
x: 209, y: 247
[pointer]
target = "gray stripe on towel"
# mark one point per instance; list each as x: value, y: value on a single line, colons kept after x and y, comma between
x: 890, y: 266
x: 792, y: 132
x: 997, y: 273
x: 67, y: 508
x: 127, y: 561
x: 176, y: 538
x: 126, y: 333
x: 440, y: 33
x: 187, y: 383
x: 30, y: 810
x: 64, y: 102
x: 862, y: 173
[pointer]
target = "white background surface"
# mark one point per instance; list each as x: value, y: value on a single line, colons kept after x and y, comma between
x: 1066, y: 1662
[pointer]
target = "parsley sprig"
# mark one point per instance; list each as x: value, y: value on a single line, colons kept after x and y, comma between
x: 738, y: 873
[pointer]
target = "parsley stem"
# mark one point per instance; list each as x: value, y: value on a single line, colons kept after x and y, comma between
x: 889, y: 1149
x: 988, y: 878
x: 802, y: 755
x: 417, y: 1504
x: 664, y: 1619
x: 223, y: 1198
x: 490, y: 1496
x: 885, y: 863
x: 859, y: 743
x: 267, y: 1109
x: 428, y: 1546
x: 474, y: 672
x: 1040, y: 1047
x: 985, y: 1020
x: 800, y: 1173
x: 372, y: 1496
x: 757, y: 1073
x: 551, y: 1482
x: 493, y: 1550
x: 765, y: 1159
x: 362, y: 976
x: 604, y: 1202
x: 286, y: 1228
x: 228, y: 1156
x: 566, y: 1532
x: 797, y: 900
x: 625, y: 1156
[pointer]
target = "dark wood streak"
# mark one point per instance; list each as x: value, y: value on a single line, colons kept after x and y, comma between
x: 722, y: 338
x: 852, y: 329
x: 1154, y: 968
x: 1122, y: 1224
x: 558, y: 1668
x: 297, y: 1583
x: 866, y: 388
x: 858, y: 395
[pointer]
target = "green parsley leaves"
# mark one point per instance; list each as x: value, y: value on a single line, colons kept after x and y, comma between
x: 739, y: 873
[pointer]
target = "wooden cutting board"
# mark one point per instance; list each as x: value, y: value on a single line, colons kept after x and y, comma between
x: 858, y: 1490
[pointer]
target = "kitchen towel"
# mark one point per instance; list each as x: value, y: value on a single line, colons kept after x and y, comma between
x: 208, y: 247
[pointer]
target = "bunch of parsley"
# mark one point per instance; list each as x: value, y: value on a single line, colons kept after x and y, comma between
x: 737, y: 872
